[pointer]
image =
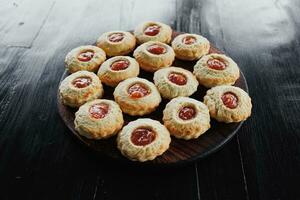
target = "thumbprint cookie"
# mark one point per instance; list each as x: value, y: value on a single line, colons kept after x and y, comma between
x: 137, y: 96
x: 153, y: 31
x: 216, y: 69
x: 116, y: 43
x: 190, y: 46
x: 87, y: 58
x: 98, y: 119
x: 173, y: 82
x: 143, y: 139
x: 79, y: 88
x: 228, y: 103
x: 152, y: 56
x: 117, y: 69
x: 186, y: 118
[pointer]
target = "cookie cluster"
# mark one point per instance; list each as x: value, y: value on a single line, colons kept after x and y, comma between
x: 154, y: 52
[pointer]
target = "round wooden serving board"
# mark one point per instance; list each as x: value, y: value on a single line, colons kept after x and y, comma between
x: 180, y: 151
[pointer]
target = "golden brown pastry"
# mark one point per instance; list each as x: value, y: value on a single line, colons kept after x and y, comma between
x: 116, y: 43
x: 137, y: 96
x: 173, y: 82
x: 186, y: 118
x: 228, y: 103
x: 153, y: 31
x: 79, y: 88
x: 87, y: 58
x: 190, y: 46
x: 216, y: 69
x: 143, y: 139
x: 99, y: 119
x: 117, y: 69
x: 153, y: 56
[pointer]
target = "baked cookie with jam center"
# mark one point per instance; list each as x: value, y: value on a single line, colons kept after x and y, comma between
x: 137, y: 96
x: 186, y: 118
x: 228, y: 103
x: 143, y: 140
x: 173, y: 82
x: 216, y: 69
x: 117, y: 69
x: 153, y: 56
x: 79, y: 88
x: 116, y: 43
x: 153, y: 31
x: 99, y: 119
x: 190, y: 46
x: 87, y: 58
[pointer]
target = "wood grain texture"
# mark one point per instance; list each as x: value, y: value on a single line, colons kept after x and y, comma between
x: 39, y: 161
x: 22, y: 22
x: 220, y: 176
x: 263, y: 37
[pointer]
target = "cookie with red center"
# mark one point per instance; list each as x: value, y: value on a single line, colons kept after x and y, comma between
x: 190, y: 46
x: 79, y: 88
x: 173, y: 82
x: 153, y: 31
x: 138, y: 90
x: 88, y: 58
x: 116, y: 43
x: 143, y: 139
x: 153, y: 56
x: 186, y: 118
x: 82, y: 82
x: 216, y: 69
x: 117, y: 69
x: 228, y: 103
x: 99, y: 119
x: 137, y: 96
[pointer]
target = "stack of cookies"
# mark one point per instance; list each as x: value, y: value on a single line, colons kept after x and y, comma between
x: 183, y: 117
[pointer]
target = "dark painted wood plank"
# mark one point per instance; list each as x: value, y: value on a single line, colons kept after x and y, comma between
x: 22, y: 20
x: 271, y: 150
x: 8, y: 61
x: 169, y: 183
x: 221, y: 175
x: 267, y: 47
x: 134, y: 12
x: 39, y: 158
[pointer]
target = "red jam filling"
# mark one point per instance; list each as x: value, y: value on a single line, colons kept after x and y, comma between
x: 119, y: 65
x: 116, y: 37
x: 142, y: 136
x: 138, y: 90
x: 82, y: 82
x: 230, y: 100
x: 187, y: 113
x: 156, y: 49
x: 177, y: 78
x: 85, y: 56
x: 188, y: 40
x: 216, y: 64
x: 152, y: 30
x: 99, y: 110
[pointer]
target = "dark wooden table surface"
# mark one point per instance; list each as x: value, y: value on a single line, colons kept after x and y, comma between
x: 39, y: 159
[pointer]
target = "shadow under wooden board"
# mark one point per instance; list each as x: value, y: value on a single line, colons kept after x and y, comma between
x: 180, y: 151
